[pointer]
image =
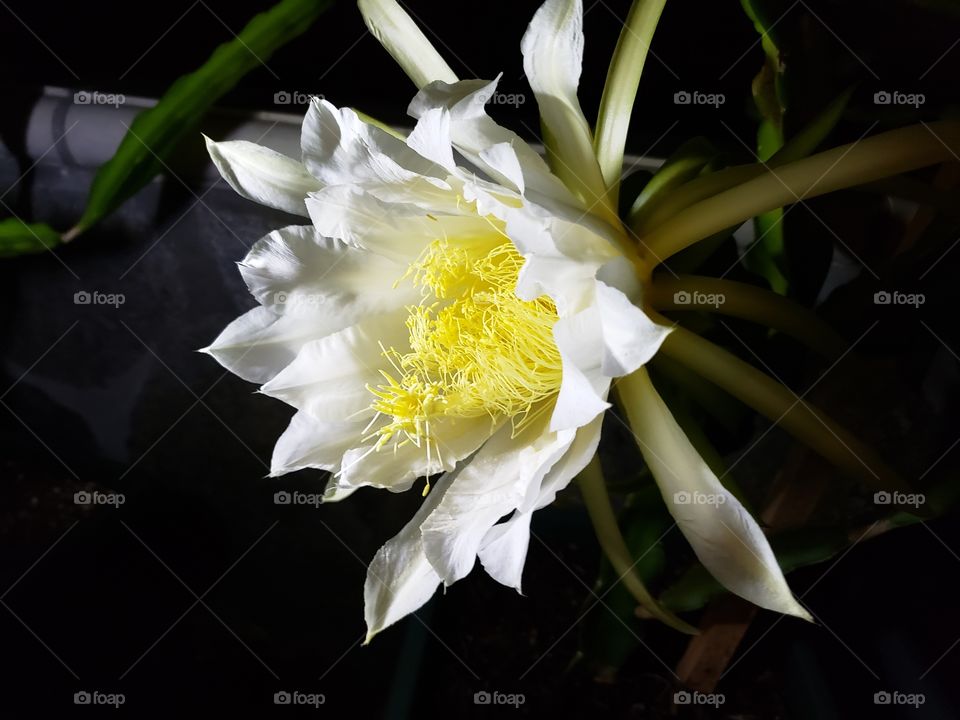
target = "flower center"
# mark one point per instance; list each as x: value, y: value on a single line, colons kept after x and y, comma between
x: 475, y: 347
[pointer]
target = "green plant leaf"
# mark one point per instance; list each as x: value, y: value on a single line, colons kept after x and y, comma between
x: 156, y: 133
x: 20, y: 238
x: 765, y: 256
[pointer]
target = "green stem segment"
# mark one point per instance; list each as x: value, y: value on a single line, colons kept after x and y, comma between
x: 873, y: 158
x: 595, y: 497
x: 781, y: 406
x: 620, y: 91
x: 726, y: 297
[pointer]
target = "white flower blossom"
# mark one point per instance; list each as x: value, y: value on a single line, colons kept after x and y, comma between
x: 452, y: 308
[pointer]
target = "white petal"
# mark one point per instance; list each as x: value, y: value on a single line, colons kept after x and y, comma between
x: 503, y: 550
x: 311, y: 443
x: 296, y: 269
x: 552, y: 53
x: 502, y: 157
x: 339, y: 148
x: 400, y: 579
x: 263, y: 175
x: 570, y: 284
x: 475, y: 133
x: 492, y: 484
x: 397, y: 469
x: 396, y: 231
x: 580, y: 452
x: 583, y: 387
x: 431, y: 138
x: 504, y: 547
x: 329, y: 377
x: 550, y: 232
x: 725, y: 538
x: 260, y: 343
x: 405, y: 42
x: 630, y: 337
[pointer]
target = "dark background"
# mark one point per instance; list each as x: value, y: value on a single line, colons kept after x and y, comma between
x: 200, y: 593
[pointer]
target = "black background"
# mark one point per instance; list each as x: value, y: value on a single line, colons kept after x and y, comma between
x: 114, y: 406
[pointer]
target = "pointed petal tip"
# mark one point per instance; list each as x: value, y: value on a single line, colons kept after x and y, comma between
x: 799, y: 611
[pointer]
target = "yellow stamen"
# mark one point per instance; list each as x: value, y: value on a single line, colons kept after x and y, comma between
x: 475, y: 348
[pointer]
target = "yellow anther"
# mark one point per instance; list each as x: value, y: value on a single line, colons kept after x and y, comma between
x: 475, y: 348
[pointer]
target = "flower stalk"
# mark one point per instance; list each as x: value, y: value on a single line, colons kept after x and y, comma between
x: 781, y: 406
x: 873, y: 158
x: 747, y: 302
x: 620, y: 90
x: 597, y: 500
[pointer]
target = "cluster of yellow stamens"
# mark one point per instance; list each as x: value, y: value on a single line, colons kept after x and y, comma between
x: 475, y: 348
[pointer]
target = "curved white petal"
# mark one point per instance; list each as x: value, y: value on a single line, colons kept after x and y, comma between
x: 263, y: 175
x: 503, y: 550
x: 554, y: 232
x: 503, y: 159
x: 724, y: 536
x: 396, y: 469
x: 630, y: 337
x: 431, y: 138
x: 405, y: 42
x: 339, y: 148
x: 476, y: 134
x: 329, y: 377
x: 504, y: 547
x: 311, y: 443
x: 393, y: 230
x: 579, y: 454
x: 571, y: 285
x: 552, y: 54
x: 583, y: 386
x: 298, y: 270
x: 260, y: 343
x: 492, y: 484
x: 400, y: 579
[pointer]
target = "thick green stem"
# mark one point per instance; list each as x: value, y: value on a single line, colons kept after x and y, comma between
x: 781, y: 406
x: 726, y: 297
x: 880, y: 156
x: 620, y: 91
x: 595, y: 497
x: 799, y: 146
x: 699, y: 188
